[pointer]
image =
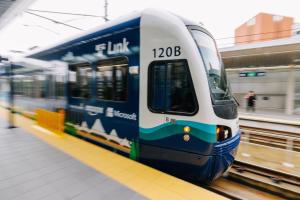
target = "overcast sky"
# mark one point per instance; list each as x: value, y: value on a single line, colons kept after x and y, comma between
x: 220, y: 17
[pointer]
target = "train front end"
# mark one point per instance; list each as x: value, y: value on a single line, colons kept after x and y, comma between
x: 188, y: 116
x: 225, y: 116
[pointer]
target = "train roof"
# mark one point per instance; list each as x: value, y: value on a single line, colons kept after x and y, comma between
x: 127, y: 20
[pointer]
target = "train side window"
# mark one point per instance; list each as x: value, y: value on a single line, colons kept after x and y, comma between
x: 112, y: 78
x: 80, y: 77
x: 170, y: 88
x: 59, y: 85
x: 39, y: 86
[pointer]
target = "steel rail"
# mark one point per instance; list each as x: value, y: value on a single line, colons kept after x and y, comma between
x: 258, y: 178
x: 280, y: 139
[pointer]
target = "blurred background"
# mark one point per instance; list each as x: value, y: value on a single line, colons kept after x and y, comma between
x: 259, y: 41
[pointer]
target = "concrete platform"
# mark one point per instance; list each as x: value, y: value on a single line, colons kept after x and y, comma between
x: 274, y: 117
x: 278, y: 159
x: 270, y: 126
x: 38, y: 164
x: 270, y: 120
x: 31, y: 169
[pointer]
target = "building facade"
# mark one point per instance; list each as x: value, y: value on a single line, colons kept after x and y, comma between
x: 264, y: 27
x: 271, y: 69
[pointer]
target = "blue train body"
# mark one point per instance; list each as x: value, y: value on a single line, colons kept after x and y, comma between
x: 200, y: 143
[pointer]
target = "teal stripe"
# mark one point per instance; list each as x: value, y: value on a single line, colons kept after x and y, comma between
x: 205, y: 132
x: 154, y: 129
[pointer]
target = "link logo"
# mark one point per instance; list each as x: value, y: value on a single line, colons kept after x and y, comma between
x: 111, y: 48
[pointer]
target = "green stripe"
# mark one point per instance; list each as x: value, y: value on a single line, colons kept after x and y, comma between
x: 205, y: 132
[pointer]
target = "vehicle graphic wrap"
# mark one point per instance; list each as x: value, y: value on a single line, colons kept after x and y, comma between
x: 205, y: 132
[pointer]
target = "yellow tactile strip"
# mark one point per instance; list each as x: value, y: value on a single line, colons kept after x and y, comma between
x: 145, y: 180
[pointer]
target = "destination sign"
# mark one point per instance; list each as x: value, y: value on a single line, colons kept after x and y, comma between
x: 252, y: 74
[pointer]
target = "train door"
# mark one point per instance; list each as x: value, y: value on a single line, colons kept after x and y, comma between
x: 58, y: 72
x: 167, y: 96
x: 104, y: 95
x: 103, y: 102
x: 79, y: 93
x: 170, y: 99
x: 116, y: 123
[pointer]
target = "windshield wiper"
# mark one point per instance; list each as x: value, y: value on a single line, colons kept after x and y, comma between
x: 226, y: 94
x: 236, y: 101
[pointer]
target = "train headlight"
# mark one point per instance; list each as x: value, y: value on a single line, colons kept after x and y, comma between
x: 186, y: 129
x: 186, y: 137
x: 226, y: 134
x: 223, y: 133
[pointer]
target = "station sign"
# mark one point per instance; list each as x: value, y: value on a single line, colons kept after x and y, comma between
x: 252, y: 74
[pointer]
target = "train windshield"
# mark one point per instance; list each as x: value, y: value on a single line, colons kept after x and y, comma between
x: 213, y: 64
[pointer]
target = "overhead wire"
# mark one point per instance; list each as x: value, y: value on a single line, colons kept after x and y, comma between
x: 237, y: 36
x: 65, y: 13
x: 224, y: 38
x: 253, y: 40
x: 54, y: 21
x: 89, y: 15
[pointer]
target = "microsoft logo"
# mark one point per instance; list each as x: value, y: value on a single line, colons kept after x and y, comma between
x: 109, y: 112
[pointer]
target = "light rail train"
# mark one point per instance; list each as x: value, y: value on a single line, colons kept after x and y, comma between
x: 150, y: 85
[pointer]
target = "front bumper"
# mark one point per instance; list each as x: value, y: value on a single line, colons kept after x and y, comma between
x: 191, y: 165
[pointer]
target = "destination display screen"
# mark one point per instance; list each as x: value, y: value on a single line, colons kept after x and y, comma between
x: 252, y: 74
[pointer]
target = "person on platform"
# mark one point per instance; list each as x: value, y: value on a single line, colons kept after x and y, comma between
x: 251, y: 99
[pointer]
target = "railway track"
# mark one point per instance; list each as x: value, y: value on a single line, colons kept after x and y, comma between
x: 248, y: 181
x: 274, y: 138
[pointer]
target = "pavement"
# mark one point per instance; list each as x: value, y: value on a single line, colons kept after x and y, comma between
x: 270, y: 114
x: 36, y: 163
x: 32, y: 169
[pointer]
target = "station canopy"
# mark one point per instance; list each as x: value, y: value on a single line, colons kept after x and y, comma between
x: 280, y: 52
x: 9, y: 9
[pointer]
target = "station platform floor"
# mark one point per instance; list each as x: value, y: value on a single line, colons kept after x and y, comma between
x: 38, y: 164
x: 271, y: 116
x: 278, y: 159
x: 270, y: 120
x: 31, y: 169
x: 272, y: 158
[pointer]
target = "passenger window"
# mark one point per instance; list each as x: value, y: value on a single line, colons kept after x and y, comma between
x: 39, y: 84
x: 80, y: 77
x: 112, y: 79
x: 170, y: 88
x: 59, y: 85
